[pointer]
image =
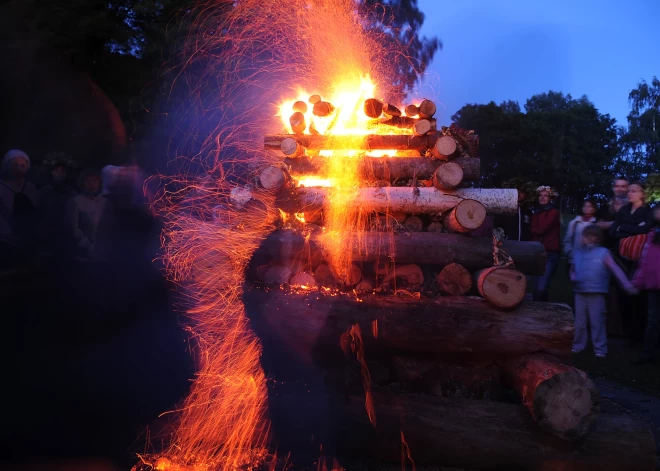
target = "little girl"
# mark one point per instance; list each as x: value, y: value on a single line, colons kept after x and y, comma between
x: 590, y: 273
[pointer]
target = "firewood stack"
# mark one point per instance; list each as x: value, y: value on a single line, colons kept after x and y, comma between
x: 447, y: 341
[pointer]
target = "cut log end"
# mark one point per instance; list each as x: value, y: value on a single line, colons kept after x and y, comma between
x: 272, y: 178
x: 502, y: 287
x: 291, y: 148
x: 297, y: 122
x: 324, y: 276
x: 405, y: 277
x: 300, y: 106
x: 448, y: 176
x: 322, y: 108
x: 422, y: 127
x: 373, y: 108
x: 303, y: 279
x: 411, y: 111
x: 314, y: 99
x: 427, y: 109
x: 467, y: 216
x: 413, y: 224
x: 455, y: 280
x: 445, y: 146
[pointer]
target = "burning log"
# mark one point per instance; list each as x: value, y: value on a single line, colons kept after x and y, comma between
x: 424, y: 126
x: 303, y: 323
x: 389, y: 168
x: 323, y: 108
x: 466, y: 216
x: 448, y: 176
x: 407, y: 200
x: 403, y: 122
x: 303, y: 279
x: 444, y: 147
x: 300, y: 106
x: 391, y: 110
x: 421, y: 248
x: 314, y: 99
x: 413, y: 224
x: 407, y: 277
x: 297, y: 122
x: 290, y: 147
x: 412, y: 110
x: 354, y: 142
x: 272, y: 178
x: 373, y: 108
x: 502, y: 287
x: 427, y: 109
x: 561, y: 399
x: 485, y: 435
x: 324, y: 276
x: 454, y: 279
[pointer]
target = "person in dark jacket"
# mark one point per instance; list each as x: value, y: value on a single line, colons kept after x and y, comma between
x: 633, y: 219
x: 545, y: 229
x: 517, y: 227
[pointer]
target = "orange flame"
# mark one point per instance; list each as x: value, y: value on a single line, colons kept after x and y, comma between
x: 358, y: 347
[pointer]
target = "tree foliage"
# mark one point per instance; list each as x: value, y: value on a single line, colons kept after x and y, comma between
x: 559, y: 141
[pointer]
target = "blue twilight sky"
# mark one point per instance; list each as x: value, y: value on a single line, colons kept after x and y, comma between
x: 512, y: 49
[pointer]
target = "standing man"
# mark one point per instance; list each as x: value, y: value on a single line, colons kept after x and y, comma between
x: 620, y: 198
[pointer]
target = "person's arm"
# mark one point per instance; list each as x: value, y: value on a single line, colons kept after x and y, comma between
x: 550, y: 222
x: 618, y: 220
x: 621, y: 277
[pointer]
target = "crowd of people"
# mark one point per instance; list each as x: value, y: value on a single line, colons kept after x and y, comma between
x: 91, y: 230
x: 624, y: 242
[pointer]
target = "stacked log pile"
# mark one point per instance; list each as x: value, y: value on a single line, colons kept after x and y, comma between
x: 430, y: 326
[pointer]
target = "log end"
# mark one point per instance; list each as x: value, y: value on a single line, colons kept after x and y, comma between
x: 566, y: 405
x: 502, y: 287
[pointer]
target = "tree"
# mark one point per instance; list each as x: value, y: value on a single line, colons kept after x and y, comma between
x: 641, y: 142
x: 558, y: 141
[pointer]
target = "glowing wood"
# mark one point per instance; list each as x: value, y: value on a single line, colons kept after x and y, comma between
x: 455, y: 280
x: 387, y: 168
x: 323, y: 108
x: 272, y: 178
x: 411, y: 110
x: 467, y: 216
x: 300, y: 106
x: 291, y: 148
x: 314, y: 99
x: 297, y: 121
x: 502, y: 287
x: 354, y: 142
x: 391, y: 110
x: 561, y: 399
x: 408, y: 200
x: 373, y: 108
x: 303, y: 279
x: 448, y: 176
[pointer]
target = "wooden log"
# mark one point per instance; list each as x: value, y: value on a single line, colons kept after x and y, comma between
x: 448, y: 176
x: 354, y: 275
x: 444, y: 148
x: 386, y: 168
x: 364, y: 287
x: 412, y: 110
x: 323, y: 108
x: 297, y: 122
x: 303, y: 322
x: 314, y: 99
x: 303, y: 279
x: 324, y: 275
x: 405, y: 199
x: 485, y: 435
x: 455, y: 280
x: 399, y: 217
x: 391, y: 110
x: 240, y: 195
x: 290, y: 147
x: 413, y: 224
x: 435, y: 226
x: 420, y: 248
x: 423, y: 126
x: 373, y: 108
x: 502, y: 287
x: 300, y: 106
x: 404, y: 277
x: 354, y: 142
x: 277, y: 275
x: 427, y: 109
x: 561, y: 399
x: 272, y: 178
x: 466, y: 216
x: 402, y: 122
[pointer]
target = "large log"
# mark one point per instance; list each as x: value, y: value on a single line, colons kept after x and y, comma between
x: 430, y: 248
x: 561, y: 399
x: 485, y: 435
x: 467, y: 216
x: 386, y: 168
x: 502, y: 287
x: 354, y: 142
x: 301, y: 322
x: 426, y: 200
x: 454, y: 280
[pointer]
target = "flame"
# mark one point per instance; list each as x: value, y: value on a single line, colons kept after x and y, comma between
x: 357, y: 345
x: 314, y: 181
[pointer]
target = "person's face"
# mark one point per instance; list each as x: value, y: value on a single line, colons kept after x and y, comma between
x: 588, y: 209
x: 58, y: 174
x: 635, y: 194
x: 92, y: 185
x: 620, y: 187
x: 521, y: 196
x: 19, y: 167
x: 544, y: 197
x: 588, y: 241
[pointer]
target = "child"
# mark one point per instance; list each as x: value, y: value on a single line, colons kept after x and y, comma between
x: 590, y: 272
x: 648, y: 278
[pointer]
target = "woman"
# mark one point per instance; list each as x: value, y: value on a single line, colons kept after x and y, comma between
x: 635, y: 218
x: 573, y: 237
x: 545, y: 229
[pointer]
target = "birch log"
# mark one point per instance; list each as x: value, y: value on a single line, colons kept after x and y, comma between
x: 427, y: 200
x: 354, y: 142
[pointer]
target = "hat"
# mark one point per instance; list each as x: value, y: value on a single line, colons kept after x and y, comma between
x: 14, y: 154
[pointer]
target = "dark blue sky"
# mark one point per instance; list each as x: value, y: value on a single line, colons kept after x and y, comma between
x: 512, y: 49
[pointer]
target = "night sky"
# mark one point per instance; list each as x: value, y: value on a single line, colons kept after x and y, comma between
x: 513, y: 49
